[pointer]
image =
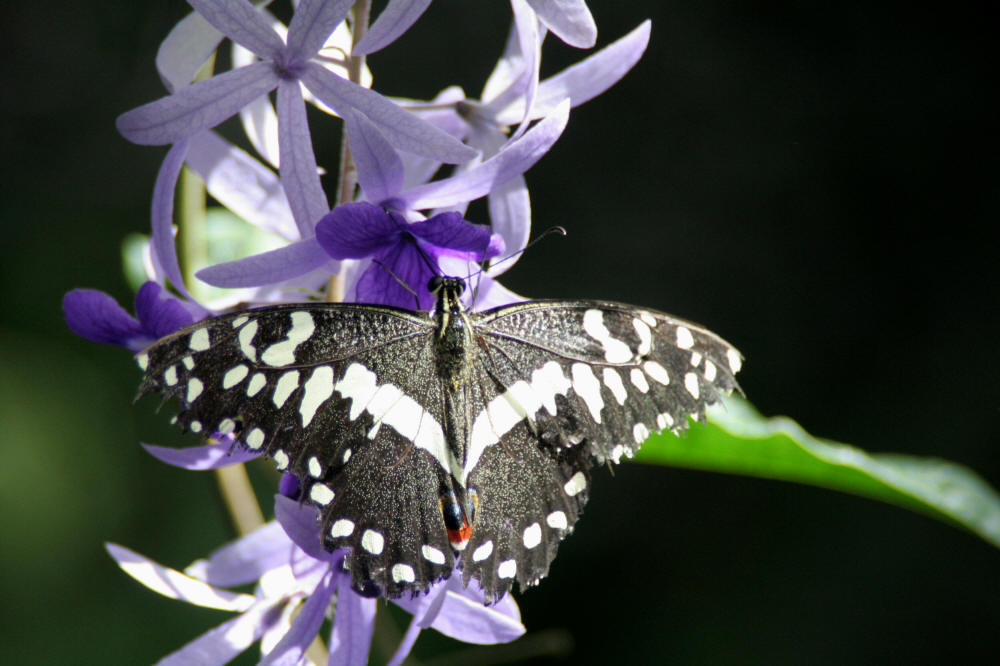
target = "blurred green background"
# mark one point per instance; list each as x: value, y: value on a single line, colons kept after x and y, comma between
x: 816, y: 183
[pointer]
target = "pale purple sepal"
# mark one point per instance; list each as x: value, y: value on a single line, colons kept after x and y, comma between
x: 513, y: 160
x: 569, y: 20
x: 161, y: 241
x: 380, y: 170
x: 242, y: 184
x: 291, y: 648
x: 201, y: 105
x: 185, y: 50
x: 228, y: 640
x: 242, y: 23
x: 270, y: 267
x: 299, y: 174
x: 488, y: 293
x: 401, y: 128
x: 395, y: 19
x: 210, y: 456
x: 529, y: 38
x: 246, y: 559
x: 458, y: 612
x: 312, y: 24
x: 354, y: 623
x: 301, y: 524
x: 510, y: 216
x: 584, y: 80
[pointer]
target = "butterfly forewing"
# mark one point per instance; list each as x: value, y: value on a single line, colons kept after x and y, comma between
x: 384, y: 414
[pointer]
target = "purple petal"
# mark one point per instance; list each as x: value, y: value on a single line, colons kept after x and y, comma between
x: 380, y: 170
x: 353, y: 624
x: 305, y: 626
x: 586, y: 79
x: 450, y: 231
x: 405, y: 645
x: 161, y: 241
x: 395, y: 19
x: 569, y: 20
x: 185, y: 50
x: 94, y: 315
x: 356, y: 231
x: 510, y: 217
x: 199, y: 106
x: 513, y: 160
x: 242, y: 184
x: 246, y: 559
x: 301, y: 524
x: 289, y: 486
x: 242, y: 23
x: 227, y: 641
x: 299, y: 174
x: 402, y: 129
x: 409, y: 267
x: 210, y: 456
x: 464, y: 617
x: 270, y: 267
x: 159, y: 312
x: 312, y: 24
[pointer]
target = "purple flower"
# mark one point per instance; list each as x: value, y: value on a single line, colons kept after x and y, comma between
x: 96, y: 316
x: 409, y: 249
x: 293, y: 574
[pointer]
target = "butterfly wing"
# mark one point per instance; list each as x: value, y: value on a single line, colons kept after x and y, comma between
x: 582, y: 382
x: 328, y: 391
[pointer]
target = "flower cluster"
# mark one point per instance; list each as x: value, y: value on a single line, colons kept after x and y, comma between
x: 398, y: 222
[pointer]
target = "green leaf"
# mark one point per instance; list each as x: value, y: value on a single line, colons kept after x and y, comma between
x: 739, y: 440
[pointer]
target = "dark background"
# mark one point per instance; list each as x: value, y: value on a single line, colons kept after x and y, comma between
x: 816, y: 183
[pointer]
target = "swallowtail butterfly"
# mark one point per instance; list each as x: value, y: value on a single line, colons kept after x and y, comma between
x: 428, y: 440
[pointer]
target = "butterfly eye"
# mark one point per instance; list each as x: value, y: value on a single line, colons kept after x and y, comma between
x: 435, y: 284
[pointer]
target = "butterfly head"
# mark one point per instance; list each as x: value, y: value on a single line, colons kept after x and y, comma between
x: 448, y: 291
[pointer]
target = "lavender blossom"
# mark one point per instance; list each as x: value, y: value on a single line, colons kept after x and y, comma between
x: 96, y: 316
x: 292, y: 572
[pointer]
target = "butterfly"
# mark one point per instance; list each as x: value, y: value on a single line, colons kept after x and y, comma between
x: 444, y: 441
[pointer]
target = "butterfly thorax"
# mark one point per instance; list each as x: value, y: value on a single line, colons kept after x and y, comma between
x: 454, y: 346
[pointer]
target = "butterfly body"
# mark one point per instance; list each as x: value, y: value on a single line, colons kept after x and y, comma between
x: 453, y: 438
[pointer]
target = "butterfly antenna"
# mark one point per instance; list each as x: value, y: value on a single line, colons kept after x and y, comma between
x: 557, y: 230
x: 402, y: 283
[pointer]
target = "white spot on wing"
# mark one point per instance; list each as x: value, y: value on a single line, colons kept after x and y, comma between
x: 532, y: 535
x: 684, y: 338
x: 403, y: 573
x: 226, y: 426
x: 710, y: 371
x: 315, y: 469
x: 188, y: 362
x: 648, y: 318
x: 656, y: 371
x: 482, y: 552
x: 321, y: 494
x: 255, y: 438
x: 432, y: 554
x: 287, y: 383
x: 588, y: 388
x: 317, y: 389
x: 234, y: 376
x: 645, y: 336
x: 195, y: 426
x: 195, y: 387
x: 341, y: 528
x: 281, y: 459
x: 239, y: 321
x: 373, y: 542
x: 638, y: 380
x: 199, y: 340
x: 576, y: 483
x: 170, y: 375
x: 614, y: 382
x: 691, y: 384
x: 615, y: 351
x: 143, y: 361
x: 245, y: 338
x: 283, y: 352
x: 507, y: 569
x: 735, y: 362
x: 557, y: 520
x: 695, y: 359
x: 257, y: 382
x: 640, y: 433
